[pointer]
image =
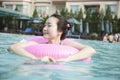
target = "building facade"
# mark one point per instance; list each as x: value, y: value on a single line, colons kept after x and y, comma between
x: 48, y: 7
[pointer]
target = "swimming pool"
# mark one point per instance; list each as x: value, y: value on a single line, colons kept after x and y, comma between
x: 105, y: 65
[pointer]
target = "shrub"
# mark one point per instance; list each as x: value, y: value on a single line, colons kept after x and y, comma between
x: 94, y: 35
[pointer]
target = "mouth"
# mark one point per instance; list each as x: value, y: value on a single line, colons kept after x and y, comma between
x: 45, y: 33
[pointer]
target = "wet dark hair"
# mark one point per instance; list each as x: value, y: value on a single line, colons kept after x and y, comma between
x: 63, y: 25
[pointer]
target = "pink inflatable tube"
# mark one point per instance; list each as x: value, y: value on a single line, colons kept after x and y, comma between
x: 52, y: 50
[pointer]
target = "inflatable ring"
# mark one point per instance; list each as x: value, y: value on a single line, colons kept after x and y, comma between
x: 52, y: 50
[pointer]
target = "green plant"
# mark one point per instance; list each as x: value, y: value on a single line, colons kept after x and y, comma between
x: 94, y: 35
x: 16, y: 9
x: 108, y: 14
x: 95, y: 21
x: 35, y: 13
x: 80, y: 14
x: 115, y: 26
x: 88, y: 16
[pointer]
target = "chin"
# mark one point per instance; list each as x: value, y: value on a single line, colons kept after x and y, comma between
x: 46, y: 37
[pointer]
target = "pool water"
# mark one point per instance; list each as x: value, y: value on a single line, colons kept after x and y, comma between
x: 105, y: 65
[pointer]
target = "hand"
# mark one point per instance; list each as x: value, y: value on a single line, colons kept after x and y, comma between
x: 9, y: 50
x: 47, y: 59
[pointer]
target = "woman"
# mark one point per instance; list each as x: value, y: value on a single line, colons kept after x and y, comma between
x: 105, y: 37
x: 55, y: 31
x: 111, y: 38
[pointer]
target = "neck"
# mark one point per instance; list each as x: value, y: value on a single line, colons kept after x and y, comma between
x: 54, y: 41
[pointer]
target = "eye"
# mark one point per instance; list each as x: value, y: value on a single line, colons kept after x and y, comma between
x: 49, y: 25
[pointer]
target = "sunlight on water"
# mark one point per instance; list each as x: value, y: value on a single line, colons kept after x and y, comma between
x: 105, y: 65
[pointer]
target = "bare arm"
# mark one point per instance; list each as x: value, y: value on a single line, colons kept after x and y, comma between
x: 84, y: 52
x: 18, y: 48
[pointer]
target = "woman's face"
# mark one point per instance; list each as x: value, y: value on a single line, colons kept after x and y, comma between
x: 50, y: 29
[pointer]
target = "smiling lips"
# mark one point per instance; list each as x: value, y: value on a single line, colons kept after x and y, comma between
x: 45, y: 33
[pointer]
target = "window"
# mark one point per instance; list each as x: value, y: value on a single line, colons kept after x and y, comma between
x: 74, y: 8
x: 25, y: 9
x: 113, y: 8
x: 42, y: 10
x: 59, y: 9
x: 92, y: 8
x: 20, y: 8
x: 9, y: 7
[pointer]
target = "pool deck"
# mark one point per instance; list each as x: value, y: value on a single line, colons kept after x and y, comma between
x: 71, y: 36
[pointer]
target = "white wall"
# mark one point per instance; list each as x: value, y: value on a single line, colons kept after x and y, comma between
x: 52, y: 7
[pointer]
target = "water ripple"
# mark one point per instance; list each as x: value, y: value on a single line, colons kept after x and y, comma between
x: 104, y: 65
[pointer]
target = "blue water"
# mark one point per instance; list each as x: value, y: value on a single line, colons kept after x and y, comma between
x: 105, y: 65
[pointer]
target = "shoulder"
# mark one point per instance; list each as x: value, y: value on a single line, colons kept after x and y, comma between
x: 73, y: 43
x: 37, y: 40
x: 24, y: 44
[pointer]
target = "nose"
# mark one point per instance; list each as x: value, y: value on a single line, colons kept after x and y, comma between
x: 45, y: 28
